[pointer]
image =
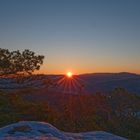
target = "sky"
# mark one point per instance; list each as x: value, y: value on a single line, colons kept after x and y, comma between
x: 82, y: 36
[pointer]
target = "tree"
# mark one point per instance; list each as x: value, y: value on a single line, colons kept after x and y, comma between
x: 16, y: 62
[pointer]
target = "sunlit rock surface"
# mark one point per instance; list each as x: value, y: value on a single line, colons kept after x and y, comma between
x: 31, y: 130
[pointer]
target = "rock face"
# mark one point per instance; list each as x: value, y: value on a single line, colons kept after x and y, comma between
x: 31, y: 130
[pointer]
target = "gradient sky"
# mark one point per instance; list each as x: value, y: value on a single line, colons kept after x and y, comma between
x: 82, y: 36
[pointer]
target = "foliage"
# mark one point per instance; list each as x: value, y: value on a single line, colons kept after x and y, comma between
x: 114, y: 112
x: 16, y: 62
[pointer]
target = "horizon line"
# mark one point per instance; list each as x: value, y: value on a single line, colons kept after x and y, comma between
x: 88, y: 73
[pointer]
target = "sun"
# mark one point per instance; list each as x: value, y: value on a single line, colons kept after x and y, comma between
x: 69, y: 74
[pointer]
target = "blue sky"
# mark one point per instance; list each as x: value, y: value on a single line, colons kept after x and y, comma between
x: 82, y: 36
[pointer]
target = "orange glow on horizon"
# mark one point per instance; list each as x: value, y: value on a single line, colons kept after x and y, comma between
x: 78, y: 70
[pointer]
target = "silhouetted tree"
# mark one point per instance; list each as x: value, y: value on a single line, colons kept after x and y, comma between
x: 16, y: 62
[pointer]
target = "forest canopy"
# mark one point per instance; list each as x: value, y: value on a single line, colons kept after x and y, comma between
x: 17, y: 62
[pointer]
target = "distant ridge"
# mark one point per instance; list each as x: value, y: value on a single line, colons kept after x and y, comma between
x: 111, y: 73
x: 93, y: 82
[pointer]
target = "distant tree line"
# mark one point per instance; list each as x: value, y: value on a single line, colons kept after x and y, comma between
x: 116, y: 112
x: 17, y: 62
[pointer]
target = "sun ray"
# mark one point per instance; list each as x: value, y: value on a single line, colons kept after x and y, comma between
x: 60, y: 80
x: 65, y: 86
